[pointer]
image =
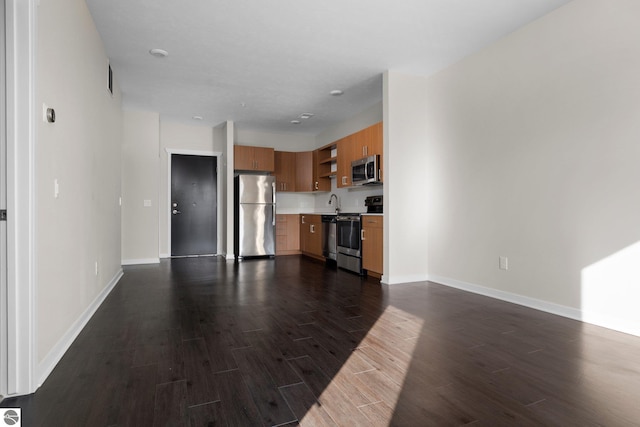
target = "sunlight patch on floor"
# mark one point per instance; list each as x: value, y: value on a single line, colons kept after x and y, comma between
x: 372, y: 377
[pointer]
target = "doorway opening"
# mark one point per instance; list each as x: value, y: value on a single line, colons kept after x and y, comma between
x: 193, y: 204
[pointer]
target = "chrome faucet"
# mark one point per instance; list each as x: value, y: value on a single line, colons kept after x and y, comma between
x: 331, y: 197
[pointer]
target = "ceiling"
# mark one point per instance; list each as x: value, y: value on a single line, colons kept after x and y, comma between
x: 263, y: 63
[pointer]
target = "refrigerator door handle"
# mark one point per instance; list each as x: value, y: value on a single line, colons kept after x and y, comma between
x: 273, y: 193
x: 274, y: 214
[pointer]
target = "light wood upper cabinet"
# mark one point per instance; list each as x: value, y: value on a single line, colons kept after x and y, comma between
x: 366, y: 142
x: 285, y: 171
x: 253, y: 158
x: 345, y: 157
x: 372, y: 243
x: 295, y: 171
x: 304, y: 171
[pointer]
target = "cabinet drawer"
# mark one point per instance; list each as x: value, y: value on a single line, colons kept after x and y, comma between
x: 372, y: 221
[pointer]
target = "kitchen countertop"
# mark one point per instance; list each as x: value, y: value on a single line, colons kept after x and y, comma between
x: 297, y: 212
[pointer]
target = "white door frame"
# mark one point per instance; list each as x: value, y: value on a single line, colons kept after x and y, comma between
x: 3, y: 224
x: 167, y: 208
x: 21, y: 347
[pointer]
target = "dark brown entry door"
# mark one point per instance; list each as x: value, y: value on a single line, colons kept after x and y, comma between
x: 193, y: 205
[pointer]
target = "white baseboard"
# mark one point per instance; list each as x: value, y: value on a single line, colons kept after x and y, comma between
x: 549, y: 307
x: 397, y: 280
x: 141, y: 261
x: 165, y: 256
x: 598, y: 319
x: 53, y: 357
x: 230, y: 257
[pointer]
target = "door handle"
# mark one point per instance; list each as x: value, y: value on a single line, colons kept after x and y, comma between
x: 361, y: 234
x: 312, y: 228
x: 176, y: 212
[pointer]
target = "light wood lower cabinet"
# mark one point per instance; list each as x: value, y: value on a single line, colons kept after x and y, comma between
x: 287, y: 234
x: 372, y: 244
x: 311, y: 236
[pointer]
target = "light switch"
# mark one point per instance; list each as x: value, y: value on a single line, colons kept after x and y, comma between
x: 56, y: 188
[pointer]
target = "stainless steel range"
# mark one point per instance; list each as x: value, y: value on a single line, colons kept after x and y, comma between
x: 348, y: 242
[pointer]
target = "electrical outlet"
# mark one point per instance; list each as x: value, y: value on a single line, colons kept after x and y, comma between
x: 56, y: 189
x: 147, y: 203
x: 503, y: 263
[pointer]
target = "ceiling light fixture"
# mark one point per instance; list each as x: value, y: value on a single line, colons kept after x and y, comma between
x: 306, y: 115
x: 295, y: 122
x: 336, y: 92
x: 197, y: 117
x: 159, y: 53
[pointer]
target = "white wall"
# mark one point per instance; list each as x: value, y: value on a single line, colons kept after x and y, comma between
x: 279, y: 141
x: 140, y: 182
x: 536, y: 141
x: 353, y: 124
x: 407, y: 167
x: 81, y: 150
x: 185, y: 137
x: 229, y: 137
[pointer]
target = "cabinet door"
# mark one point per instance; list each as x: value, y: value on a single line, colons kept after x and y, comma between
x: 243, y: 157
x: 253, y: 158
x: 345, y: 156
x: 311, y: 235
x: 264, y: 159
x: 304, y: 233
x: 315, y: 238
x: 372, y: 243
x: 368, y: 141
x: 285, y: 170
x: 304, y: 171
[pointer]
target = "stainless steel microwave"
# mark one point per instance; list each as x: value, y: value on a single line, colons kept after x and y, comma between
x: 366, y: 171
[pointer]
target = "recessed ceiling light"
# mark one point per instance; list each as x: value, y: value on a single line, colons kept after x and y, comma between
x: 197, y: 117
x: 159, y: 53
x: 306, y: 115
x: 295, y: 122
x: 336, y: 92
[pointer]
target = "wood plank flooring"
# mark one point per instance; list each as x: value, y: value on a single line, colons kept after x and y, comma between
x: 285, y: 342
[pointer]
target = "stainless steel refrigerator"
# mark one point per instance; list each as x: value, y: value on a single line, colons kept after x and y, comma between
x: 255, y: 216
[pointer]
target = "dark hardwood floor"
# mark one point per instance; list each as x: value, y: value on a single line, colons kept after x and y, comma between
x: 202, y: 342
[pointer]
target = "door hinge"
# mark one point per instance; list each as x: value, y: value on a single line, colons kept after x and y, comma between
x: 3, y: 214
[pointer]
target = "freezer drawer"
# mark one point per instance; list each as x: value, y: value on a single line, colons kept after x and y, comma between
x: 256, y: 230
